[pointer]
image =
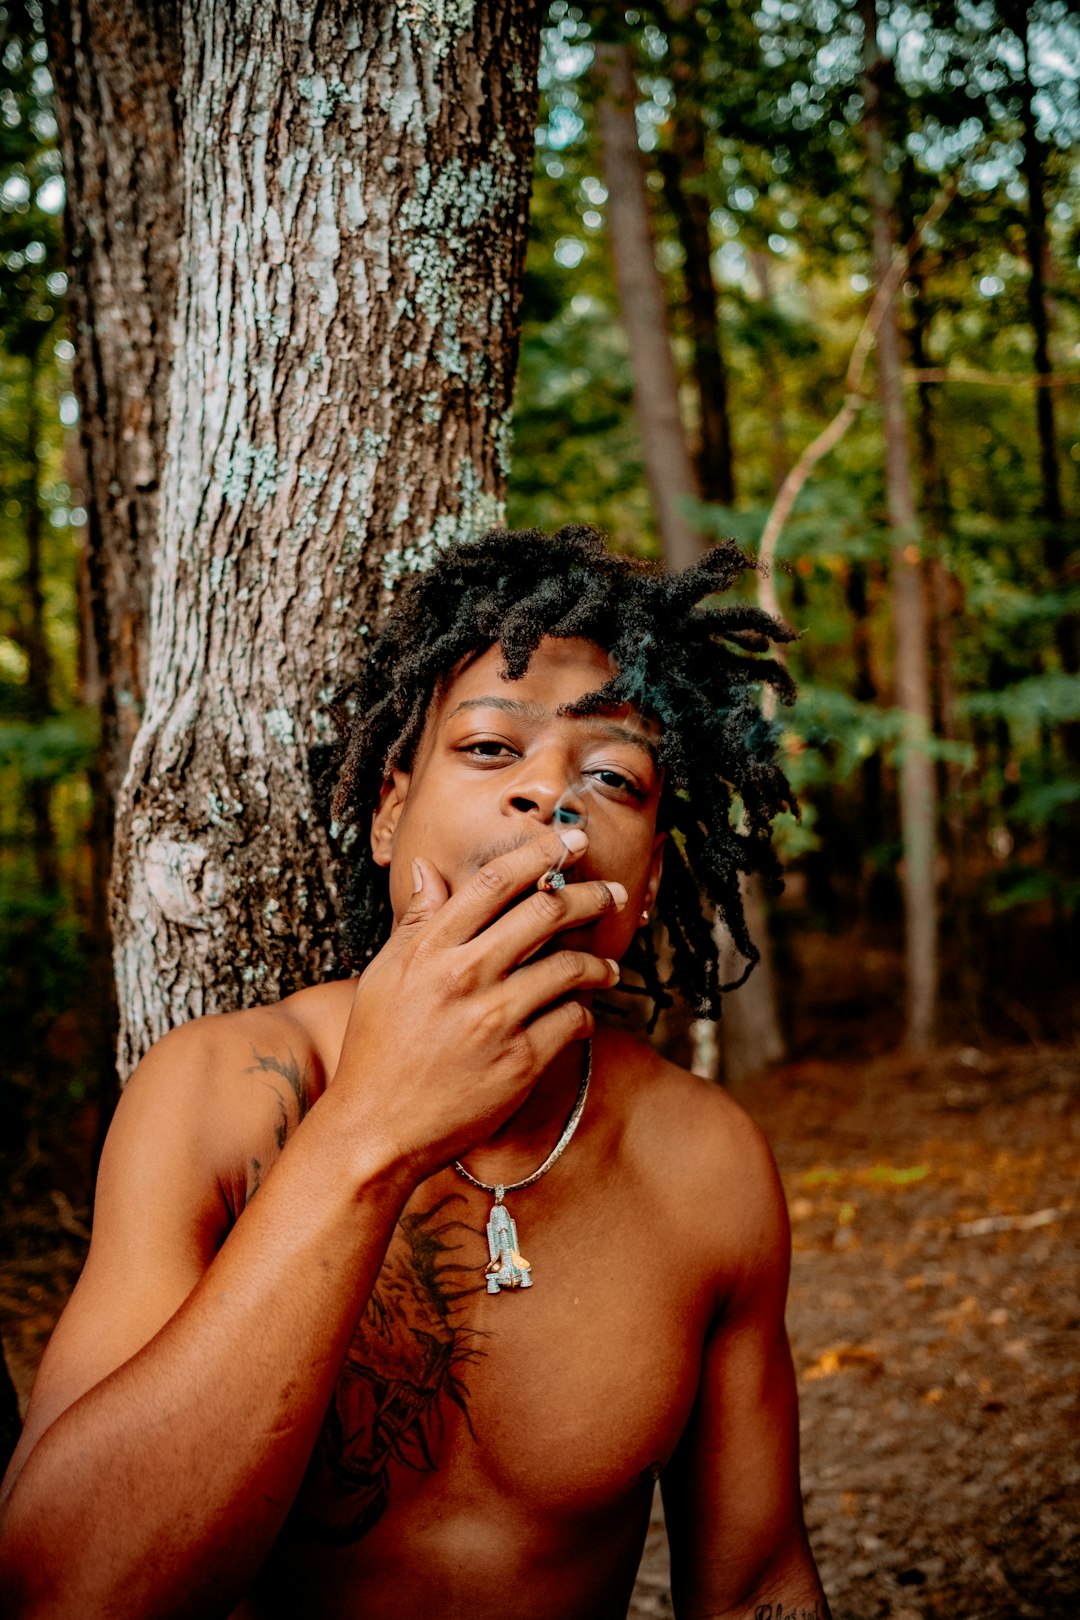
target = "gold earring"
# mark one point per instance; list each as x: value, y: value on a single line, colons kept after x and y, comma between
x: 644, y: 918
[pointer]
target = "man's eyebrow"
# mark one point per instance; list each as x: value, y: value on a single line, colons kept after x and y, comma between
x: 567, y: 711
x: 528, y: 711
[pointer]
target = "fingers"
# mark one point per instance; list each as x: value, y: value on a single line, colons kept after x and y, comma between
x: 564, y: 973
x: 497, y: 882
x: 517, y: 936
x: 554, y: 1031
x: 429, y: 895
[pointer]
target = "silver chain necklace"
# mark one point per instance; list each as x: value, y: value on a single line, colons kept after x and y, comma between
x: 507, y: 1267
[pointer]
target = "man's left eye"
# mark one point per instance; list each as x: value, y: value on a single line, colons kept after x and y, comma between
x: 487, y: 748
x: 616, y: 780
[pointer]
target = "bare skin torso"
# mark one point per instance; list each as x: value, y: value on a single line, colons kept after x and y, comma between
x: 501, y: 1450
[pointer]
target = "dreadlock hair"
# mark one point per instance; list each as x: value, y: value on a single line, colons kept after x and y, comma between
x: 679, y: 659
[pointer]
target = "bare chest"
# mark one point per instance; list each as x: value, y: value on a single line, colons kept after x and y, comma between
x: 564, y: 1395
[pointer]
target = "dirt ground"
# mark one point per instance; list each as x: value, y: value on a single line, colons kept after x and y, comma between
x: 934, y: 1321
x: 935, y: 1327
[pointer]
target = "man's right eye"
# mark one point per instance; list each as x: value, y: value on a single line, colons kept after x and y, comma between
x: 488, y: 748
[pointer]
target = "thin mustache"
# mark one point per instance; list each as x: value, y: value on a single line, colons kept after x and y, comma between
x: 506, y: 846
x: 491, y: 852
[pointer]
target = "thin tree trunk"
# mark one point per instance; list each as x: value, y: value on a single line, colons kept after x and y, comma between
x: 684, y: 173
x: 857, y: 597
x: 1037, y: 245
x: 354, y: 188
x: 936, y: 506
x: 641, y: 299
x: 36, y: 643
x: 779, y: 454
x: 751, y: 1035
x: 116, y: 69
x: 667, y: 459
x: 917, y: 808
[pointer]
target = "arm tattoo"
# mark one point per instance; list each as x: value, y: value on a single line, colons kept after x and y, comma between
x: 794, y: 1611
x: 288, y: 1070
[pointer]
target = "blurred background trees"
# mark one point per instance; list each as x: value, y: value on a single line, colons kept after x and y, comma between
x: 771, y: 138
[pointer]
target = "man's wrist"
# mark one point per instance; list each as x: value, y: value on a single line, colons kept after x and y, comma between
x: 377, y: 1165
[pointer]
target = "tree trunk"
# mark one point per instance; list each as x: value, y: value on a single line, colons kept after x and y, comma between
x: 865, y: 690
x: 667, y: 460
x: 917, y: 809
x: 940, y: 587
x: 683, y: 169
x: 354, y: 202
x: 1037, y: 242
x: 641, y: 299
x: 116, y: 69
x: 1037, y: 245
x: 36, y: 644
x: 779, y: 455
x: 751, y: 1035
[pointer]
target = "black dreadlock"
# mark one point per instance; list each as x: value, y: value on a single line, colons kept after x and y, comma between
x: 680, y: 663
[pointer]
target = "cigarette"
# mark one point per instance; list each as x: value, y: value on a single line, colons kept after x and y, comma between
x: 554, y: 879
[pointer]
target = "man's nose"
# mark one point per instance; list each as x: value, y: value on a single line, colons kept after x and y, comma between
x: 547, y: 794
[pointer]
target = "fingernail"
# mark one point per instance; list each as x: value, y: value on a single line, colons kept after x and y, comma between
x: 417, y: 877
x: 575, y: 839
x: 614, y: 966
x: 618, y: 894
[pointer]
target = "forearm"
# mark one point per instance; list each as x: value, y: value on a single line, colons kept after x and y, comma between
x: 788, y: 1589
x: 161, y: 1491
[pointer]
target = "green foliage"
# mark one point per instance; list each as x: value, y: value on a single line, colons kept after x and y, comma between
x: 49, y: 750
x: 777, y: 88
x: 47, y: 739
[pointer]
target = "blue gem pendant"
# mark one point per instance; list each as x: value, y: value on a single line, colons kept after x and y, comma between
x: 506, y: 1268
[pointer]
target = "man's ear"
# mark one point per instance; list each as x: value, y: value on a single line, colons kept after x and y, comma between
x: 395, y: 790
x: 656, y: 870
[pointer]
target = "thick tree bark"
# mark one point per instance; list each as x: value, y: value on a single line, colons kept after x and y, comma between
x: 116, y: 69
x: 353, y: 210
x: 917, y: 797
x: 641, y: 300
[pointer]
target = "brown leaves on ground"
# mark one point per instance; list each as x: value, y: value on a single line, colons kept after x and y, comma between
x: 935, y: 1325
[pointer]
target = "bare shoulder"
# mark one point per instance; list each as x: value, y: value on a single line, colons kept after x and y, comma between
x: 229, y: 1089
x: 200, y: 1122
x: 706, y: 1165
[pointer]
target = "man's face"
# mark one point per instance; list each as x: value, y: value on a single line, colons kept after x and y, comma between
x: 497, y: 759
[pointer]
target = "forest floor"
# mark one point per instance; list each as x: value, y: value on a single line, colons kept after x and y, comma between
x: 935, y: 1325
x: 934, y: 1321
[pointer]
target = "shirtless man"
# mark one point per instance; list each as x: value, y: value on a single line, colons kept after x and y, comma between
x: 291, y: 1381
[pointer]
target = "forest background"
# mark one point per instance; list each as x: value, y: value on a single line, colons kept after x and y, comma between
x: 768, y: 145
x: 752, y: 136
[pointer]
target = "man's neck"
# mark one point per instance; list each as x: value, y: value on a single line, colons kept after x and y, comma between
x: 522, y: 1144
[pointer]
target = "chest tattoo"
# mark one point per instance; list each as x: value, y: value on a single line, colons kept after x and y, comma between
x: 408, y: 1358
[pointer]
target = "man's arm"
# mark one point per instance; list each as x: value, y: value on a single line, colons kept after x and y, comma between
x: 182, y: 1394
x: 731, y: 1493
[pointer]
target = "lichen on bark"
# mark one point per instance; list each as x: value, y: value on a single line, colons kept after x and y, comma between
x: 354, y: 195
